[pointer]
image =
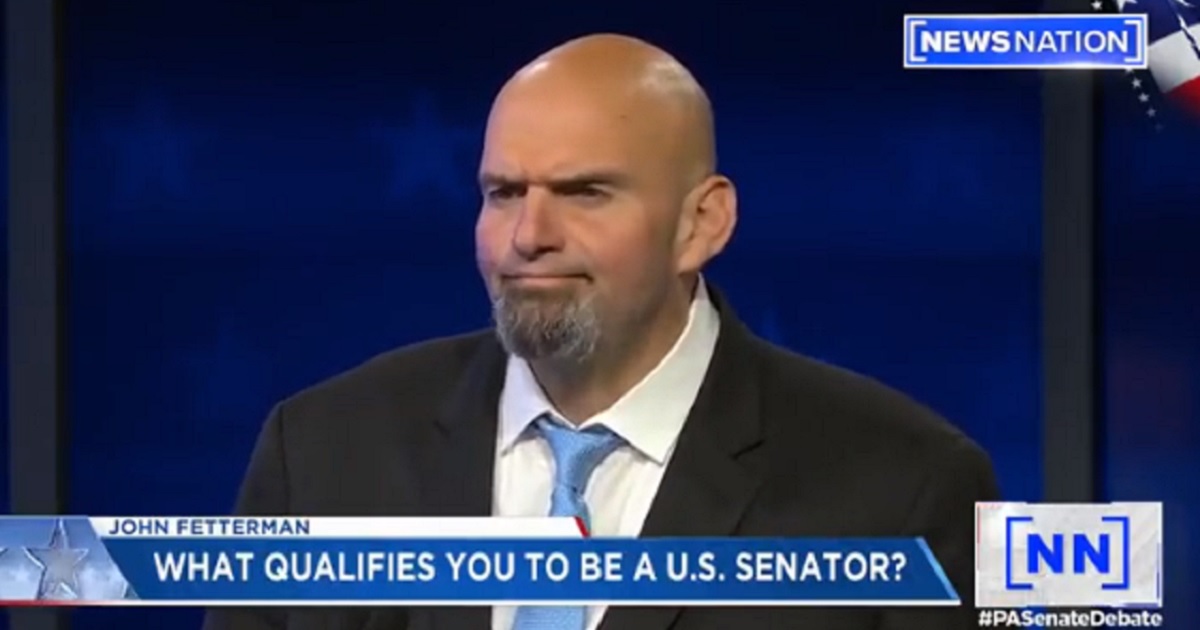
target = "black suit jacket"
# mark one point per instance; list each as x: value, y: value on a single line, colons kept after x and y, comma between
x: 776, y: 445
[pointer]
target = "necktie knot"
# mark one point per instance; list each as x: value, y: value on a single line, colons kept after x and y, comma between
x: 577, y: 453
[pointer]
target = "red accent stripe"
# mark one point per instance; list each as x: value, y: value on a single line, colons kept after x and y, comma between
x: 1188, y: 95
x: 582, y: 527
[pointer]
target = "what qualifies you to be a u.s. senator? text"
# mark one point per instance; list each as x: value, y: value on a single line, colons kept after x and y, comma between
x: 537, y: 566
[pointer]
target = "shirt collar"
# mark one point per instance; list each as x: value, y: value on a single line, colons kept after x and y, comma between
x: 651, y: 415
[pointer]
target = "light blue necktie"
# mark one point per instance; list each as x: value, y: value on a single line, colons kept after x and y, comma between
x: 576, y: 455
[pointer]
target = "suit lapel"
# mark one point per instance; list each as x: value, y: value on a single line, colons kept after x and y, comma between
x: 707, y: 487
x: 460, y: 462
x: 711, y: 478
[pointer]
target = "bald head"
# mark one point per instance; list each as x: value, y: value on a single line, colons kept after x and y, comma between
x: 600, y: 200
x: 648, y: 93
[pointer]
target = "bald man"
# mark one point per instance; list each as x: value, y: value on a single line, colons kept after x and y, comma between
x: 601, y: 205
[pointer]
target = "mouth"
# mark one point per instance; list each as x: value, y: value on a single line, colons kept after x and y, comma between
x: 541, y: 280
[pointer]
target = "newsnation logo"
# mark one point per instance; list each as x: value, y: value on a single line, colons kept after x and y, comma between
x: 1027, y: 42
x: 1077, y: 555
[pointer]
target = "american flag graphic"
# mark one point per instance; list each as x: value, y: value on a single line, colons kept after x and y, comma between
x: 1174, y: 47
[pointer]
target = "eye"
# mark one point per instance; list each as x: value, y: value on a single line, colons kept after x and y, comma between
x: 502, y: 193
x: 586, y: 193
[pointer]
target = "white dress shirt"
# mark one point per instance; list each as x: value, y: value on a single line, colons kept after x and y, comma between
x: 649, y: 417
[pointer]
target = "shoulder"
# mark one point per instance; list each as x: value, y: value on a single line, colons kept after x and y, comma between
x: 409, y: 377
x: 328, y: 448
x: 859, y: 417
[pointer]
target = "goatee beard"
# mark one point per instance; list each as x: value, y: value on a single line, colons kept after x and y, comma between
x: 536, y: 326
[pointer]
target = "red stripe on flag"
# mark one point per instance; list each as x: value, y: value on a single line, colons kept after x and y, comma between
x: 1188, y: 95
x: 582, y: 526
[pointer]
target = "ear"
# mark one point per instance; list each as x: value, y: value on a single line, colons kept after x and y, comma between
x: 706, y: 225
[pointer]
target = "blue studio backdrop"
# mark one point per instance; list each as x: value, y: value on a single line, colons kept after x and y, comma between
x: 264, y: 193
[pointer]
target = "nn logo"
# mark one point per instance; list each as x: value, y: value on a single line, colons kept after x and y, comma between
x: 1030, y: 554
x: 1086, y: 549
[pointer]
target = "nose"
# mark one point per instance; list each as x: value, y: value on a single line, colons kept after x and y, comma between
x: 538, y: 228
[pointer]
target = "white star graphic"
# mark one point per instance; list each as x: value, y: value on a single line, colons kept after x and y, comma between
x: 104, y: 584
x: 1143, y: 96
x: 1121, y: 4
x: 1097, y: 5
x: 22, y: 574
x: 18, y: 582
x: 58, y: 563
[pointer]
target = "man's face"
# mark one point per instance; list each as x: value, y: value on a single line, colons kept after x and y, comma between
x: 574, y: 239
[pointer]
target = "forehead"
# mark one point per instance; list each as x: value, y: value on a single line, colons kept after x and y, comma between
x: 536, y: 134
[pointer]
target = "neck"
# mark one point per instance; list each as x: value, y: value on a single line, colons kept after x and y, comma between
x: 580, y: 390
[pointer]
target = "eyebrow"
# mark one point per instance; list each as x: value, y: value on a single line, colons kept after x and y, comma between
x: 612, y: 178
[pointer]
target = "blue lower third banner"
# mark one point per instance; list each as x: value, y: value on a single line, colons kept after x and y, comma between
x: 1046, y: 42
x: 220, y: 561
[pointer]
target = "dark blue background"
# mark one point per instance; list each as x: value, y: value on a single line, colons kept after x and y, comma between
x: 263, y: 193
x: 1150, y: 284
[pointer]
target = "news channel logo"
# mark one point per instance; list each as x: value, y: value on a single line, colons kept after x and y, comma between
x: 1079, y: 555
x: 1026, y: 42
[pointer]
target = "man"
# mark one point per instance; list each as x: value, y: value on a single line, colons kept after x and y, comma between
x: 601, y: 205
